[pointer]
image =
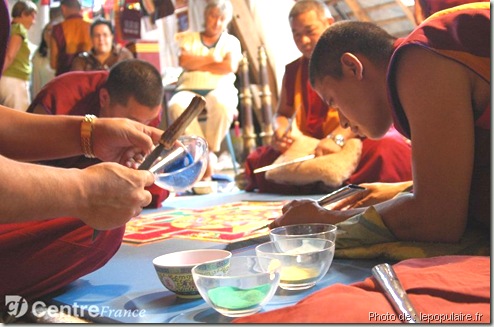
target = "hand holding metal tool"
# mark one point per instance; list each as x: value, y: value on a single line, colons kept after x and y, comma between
x: 387, y: 279
x: 170, y: 136
x: 340, y: 194
x: 176, y: 129
x: 332, y: 197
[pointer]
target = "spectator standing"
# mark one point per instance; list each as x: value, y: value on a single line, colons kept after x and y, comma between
x: 105, y: 52
x: 70, y: 37
x: 42, y: 71
x: 14, y: 84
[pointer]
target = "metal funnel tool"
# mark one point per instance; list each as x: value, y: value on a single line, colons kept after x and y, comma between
x: 175, y: 130
x: 387, y: 279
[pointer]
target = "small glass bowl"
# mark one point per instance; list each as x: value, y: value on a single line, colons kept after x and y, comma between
x: 242, y: 289
x: 304, y: 261
x: 181, y: 167
x: 324, y: 231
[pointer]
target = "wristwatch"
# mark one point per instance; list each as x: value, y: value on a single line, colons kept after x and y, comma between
x: 338, y: 139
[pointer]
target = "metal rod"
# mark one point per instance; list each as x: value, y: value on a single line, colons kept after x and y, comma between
x: 387, y: 279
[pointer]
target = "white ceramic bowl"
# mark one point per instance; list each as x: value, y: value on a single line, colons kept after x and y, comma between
x: 325, y: 231
x: 174, y: 269
x: 205, y: 187
x: 242, y: 289
x: 304, y: 261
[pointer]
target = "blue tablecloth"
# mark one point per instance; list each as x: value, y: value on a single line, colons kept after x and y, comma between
x: 127, y: 289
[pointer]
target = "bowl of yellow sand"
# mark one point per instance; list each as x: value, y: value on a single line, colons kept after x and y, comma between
x: 304, y: 261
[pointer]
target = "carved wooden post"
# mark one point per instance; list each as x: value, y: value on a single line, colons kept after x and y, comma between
x: 266, y: 109
x: 248, y: 133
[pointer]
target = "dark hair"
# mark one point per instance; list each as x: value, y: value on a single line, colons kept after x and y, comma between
x: 73, y: 4
x: 43, y: 46
x: 303, y: 6
x: 355, y: 37
x: 23, y: 7
x: 102, y: 21
x: 137, y: 78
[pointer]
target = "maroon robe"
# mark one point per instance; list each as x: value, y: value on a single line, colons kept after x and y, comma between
x: 385, y: 160
x: 471, y: 50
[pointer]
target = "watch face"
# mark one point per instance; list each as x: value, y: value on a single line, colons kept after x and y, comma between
x: 339, y: 140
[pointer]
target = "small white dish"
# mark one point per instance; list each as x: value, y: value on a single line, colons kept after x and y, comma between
x: 205, y: 187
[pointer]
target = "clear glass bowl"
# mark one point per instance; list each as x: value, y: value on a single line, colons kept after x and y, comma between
x: 324, y: 231
x: 304, y: 261
x: 242, y: 289
x: 181, y: 167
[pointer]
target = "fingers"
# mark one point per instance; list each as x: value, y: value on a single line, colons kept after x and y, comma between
x: 149, y: 178
x: 137, y: 211
x: 147, y: 196
x: 274, y: 224
x: 296, y: 203
x: 144, y: 137
x: 350, y: 201
x: 318, y: 152
x: 132, y: 158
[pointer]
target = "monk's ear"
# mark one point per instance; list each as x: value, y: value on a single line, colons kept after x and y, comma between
x: 330, y: 20
x: 351, y: 65
x: 104, y: 98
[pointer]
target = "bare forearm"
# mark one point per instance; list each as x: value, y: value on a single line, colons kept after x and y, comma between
x: 406, y: 217
x: 206, y: 63
x: 36, y: 192
x: 7, y: 62
x: 43, y: 137
x: 192, y: 62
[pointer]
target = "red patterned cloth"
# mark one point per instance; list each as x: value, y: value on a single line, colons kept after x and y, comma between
x: 447, y: 289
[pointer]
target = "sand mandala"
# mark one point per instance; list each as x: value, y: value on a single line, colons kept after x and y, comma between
x: 227, y: 223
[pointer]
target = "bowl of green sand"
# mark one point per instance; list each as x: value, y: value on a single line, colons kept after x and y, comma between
x: 242, y: 289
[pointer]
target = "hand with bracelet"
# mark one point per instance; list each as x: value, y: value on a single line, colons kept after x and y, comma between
x: 104, y: 196
x: 119, y: 140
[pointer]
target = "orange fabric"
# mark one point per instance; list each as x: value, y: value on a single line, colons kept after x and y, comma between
x: 451, y: 288
x: 72, y: 37
x: 77, y: 36
x: 331, y: 122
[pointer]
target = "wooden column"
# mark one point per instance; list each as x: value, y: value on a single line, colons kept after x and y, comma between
x: 246, y: 116
x: 266, y: 108
x: 245, y: 29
